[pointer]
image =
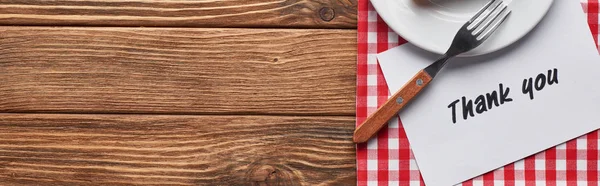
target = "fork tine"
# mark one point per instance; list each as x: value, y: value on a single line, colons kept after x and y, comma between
x: 493, y: 28
x: 480, y: 16
x: 493, y: 15
x: 481, y: 10
x: 485, y: 14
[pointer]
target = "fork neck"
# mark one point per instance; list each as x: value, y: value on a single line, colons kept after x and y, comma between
x: 436, y: 66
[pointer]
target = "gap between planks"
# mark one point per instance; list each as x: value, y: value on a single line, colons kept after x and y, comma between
x: 182, y: 114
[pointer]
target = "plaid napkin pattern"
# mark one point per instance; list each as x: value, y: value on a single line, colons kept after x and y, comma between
x: 387, y: 158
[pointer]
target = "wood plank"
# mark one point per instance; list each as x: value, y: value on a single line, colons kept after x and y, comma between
x: 188, y: 13
x: 177, y: 71
x: 59, y: 149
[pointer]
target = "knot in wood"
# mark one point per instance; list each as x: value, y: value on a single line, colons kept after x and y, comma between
x: 261, y: 174
x: 327, y: 14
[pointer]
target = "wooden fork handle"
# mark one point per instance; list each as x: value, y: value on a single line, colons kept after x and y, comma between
x: 391, y: 107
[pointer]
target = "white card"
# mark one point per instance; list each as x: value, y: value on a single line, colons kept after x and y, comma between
x: 560, y: 51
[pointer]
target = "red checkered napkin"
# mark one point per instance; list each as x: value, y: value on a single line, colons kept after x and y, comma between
x: 387, y: 159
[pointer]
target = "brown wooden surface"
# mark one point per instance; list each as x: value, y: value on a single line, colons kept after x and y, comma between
x: 181, y: 13
x: 189, y: 71
x: 62, y: 149
x: 391, y: 107
x: 234, y: 92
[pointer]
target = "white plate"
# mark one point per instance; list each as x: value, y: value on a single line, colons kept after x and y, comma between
x: 432, y: 26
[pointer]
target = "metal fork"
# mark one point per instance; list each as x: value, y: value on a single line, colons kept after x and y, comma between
x: 474, y: 32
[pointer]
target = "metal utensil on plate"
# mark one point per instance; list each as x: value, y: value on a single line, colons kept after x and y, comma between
x: 474, y: 32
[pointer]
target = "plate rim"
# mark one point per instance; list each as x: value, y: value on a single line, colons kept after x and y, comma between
x: 402, y: 34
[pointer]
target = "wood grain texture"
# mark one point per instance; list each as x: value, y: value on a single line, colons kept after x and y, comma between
x: 62, y: 149
x: 177, y: 71
x: 181, y: 13
x: 391, y: 107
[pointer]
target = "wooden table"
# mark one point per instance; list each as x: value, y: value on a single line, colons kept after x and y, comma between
x: 177, y: 92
